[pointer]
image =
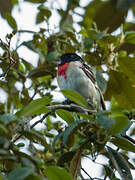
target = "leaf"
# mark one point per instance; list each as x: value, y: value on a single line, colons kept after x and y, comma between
x: 70, y: 129
x: 121, y: 121
x: 130, y: 37
x: 75, y: 97
x: 30, y: 45
x: 35, y: 136
x: 20, y: 173
x: 127, y: 65
x: 45, y: 11
x: 88, y: 43
x: 7, y: 119
x: 120, y: 164
x: 105, y: 121
x: 124, y: 5
x: 11, y: 21
x: 65, y: 115
x: 34, y: 107
x: 122, y: 89
x: 57, y: 173
x: 58, y: 136
x: 124, y: 144
x: 52, y: 56
x: 75, y: 164
x: 65, y: 157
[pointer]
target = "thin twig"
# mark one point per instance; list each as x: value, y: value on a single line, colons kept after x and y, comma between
x: 41, y: 120
x: 12, y: 61
x: 86, y: 173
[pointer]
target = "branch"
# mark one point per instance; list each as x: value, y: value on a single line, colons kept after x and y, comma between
x: 41, y: 120
x: 129, y: 138
x: 12, y: 61
x: 72, y: 108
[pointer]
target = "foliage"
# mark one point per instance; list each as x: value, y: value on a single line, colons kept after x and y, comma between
x: 68, y: 134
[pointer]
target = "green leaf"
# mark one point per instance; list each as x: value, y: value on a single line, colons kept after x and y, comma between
x: 58, y: 136
x: 88, y: 43
x: 127, y: 65
x: 45, y: 11
x: 35, y: 137
x: 121, y: 121
x: 34, y: 107
x: 70, y: 129
x: 20, y: 173
x: 105, y: 121
x: 123, y: 143
x: 130, y: 37
x: 75, y: 97
x: 122, y: 89
x: 11, y: 21
x: 100, y: 35
x: 124, y: 5
x: 52, y: 56
x: 8, y: 119
x: 65, y: 157
x: 65, y: 115
x: 35, y: 1
x: 30, y: 45
x: 120, y: 164
x: 57, y: 173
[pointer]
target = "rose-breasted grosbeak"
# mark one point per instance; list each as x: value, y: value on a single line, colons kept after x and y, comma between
x: 74, y: 74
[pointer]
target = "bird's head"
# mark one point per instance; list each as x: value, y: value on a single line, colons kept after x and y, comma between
x: 68, y: 57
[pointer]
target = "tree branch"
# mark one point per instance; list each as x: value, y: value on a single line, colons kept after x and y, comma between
x: 72, y: 108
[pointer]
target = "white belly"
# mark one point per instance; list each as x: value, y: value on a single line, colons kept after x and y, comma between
x: 78, y: 81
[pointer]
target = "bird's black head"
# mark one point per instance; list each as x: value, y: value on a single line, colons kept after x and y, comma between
x: 68, y: 57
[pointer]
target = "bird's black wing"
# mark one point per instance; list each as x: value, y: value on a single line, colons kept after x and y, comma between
x: 89, y: 72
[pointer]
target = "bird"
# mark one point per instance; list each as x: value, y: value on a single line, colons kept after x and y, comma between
x: 76, y: 75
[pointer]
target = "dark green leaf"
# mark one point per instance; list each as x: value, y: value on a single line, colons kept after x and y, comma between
x: 65, y: 115
x: 105, y: 121
x: 124, y: 144
x: 75, y: 97
x: 123, y: 132
x: 57, y: 173
x: 70, y: 129
x: 34, y: 107
x: 127, y: 65
x: 100, y: 35
x: 45, y: 11
x: 20, y: 173
x: 8, y: 119
x: 122, y: 89
x: 65, y: 157
x: 130, y: 37
x: 120, y: 164
x: 88, y: 43
x: 11, y: 21
x: 124, y: 4
x: 58, y: 136
x: 52, y: 56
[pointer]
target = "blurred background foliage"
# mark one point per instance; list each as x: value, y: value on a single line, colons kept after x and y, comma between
x: 105, y: 40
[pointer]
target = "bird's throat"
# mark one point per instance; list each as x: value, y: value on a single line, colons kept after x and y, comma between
x: 62, y: 70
